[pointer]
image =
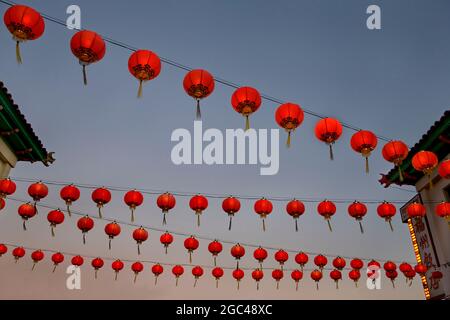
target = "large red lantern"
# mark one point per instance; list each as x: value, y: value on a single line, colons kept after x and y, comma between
x: 137, y: 268
x: 355, y: 275
x: 166, y: 239
x: 237, y: 251
x: 101, y: 197
x: 199, y: 204
x: 339, y: 263
x: 55, y: 217
x: 217, y: 273
x: 144, y: 65
x: 295, y: 209
x: 117, y: 266
x: 260, y: 254
x: 238, y: 274
x: 25, y: 24
x: 316, y: 275
x: 405, y: 267
x: 85, y: 224
x: 329, y: 130
x: 246, y: 100
x: 296, y: 275
x: 57, y: 259
x: 443, y: 210
x: 177, y: 272
x: 416, y: 210
x: 395, y: 152
x: 277, y: 275
x: 231, y: 206
x: 112, y: 230
x: 426, y: 162
x: 77, y: 261
x: 336, y: 275
x: 157, y: 270
x: 97, y: 264
x: 3, y: 249
x: 358, y: 210
x: 215, y: 247
x: 166, y: 202
x: 198, y: 84
x: 390, y: 266
x: 320, y: 261
x: 191, y: 244
x: 197, y: 272
x: 263, y: 207
x: 327, y: 209
x: 37, y: 192
x: 140, y: 235
x: 356, y: 264
x: 281, y: 257
x: 37, y: 256
x: 386, y: 211
x: 443, y: 170
x: 69, y: 194
x: 133, y: 199
x: 88, y: 47
x: 18, y: 253
x: 257, y: 275
x: 302, y: 259
x: 421, y: 269
x: 7, y: 187
x: 289, y: 116
x: 26, y: 211
x: 364, y: 142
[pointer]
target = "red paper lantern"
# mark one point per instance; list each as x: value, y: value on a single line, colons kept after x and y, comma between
x: 356, y: 264
x: 157, y: 270
x: 296, y: 275
x: 257, y: 275
x: 37, y: 192
x: 144, y: 65
x: 215, y: 247
x: 354, y: 275
x: 166, y: 202
x: 246, y: 100
x: 166, y: 239
x: 112, y: 230
x: 320, y: 261
x: 77, y: 261
x: 88, y: 47
x: 339, y: 263
x: 443, y: 170
x: 289, y: 116
x: 395, y: 152
x: 390, y: 266
x: 302, y: 259
x: 405, y: 267
x: 101, y: 197
x: 437, y: 275
x: 97, y: 264
x: 364, y: 142
x: 327, y: 209
x: 199, y: 204
x: 85, y: 224
x: 392, y: 275
x: 26, y: 211
x: 117, y: 266
x: 295, y: 209
x: 25, y: 24
x: 57, y: 259
x: 426, y: 162
x: 7, y: 187
x: 263, y: 207
x: 416, y: 210
x: 260, y: 254
x: 237, y: 251
x: 358, y: 210
x: 217, y: 273
x: 198, y: 84
x: 137, y: 268
x: 191, y: 244
x: 37, y: 256
x: 316, y: 275
x: 133, y: 199
x: 281, y: 257
x: 336, y: 275
x: 277, y: 275
x: 386, y: 211
x: 231, y: 206
x: 410, y: 274
x: 69, y: 194
x: 3, y: 249
x: 55, y: 218
x: 421, y: 269
x: 177, y: 272
x: 443, y: 210
x: 140, y: 235
x: 197, y: 272
x: 329, y: 130
x: 238, y: 274
x: 18, y: 253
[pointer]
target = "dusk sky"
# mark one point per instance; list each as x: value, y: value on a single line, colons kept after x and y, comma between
x: 319, y: 54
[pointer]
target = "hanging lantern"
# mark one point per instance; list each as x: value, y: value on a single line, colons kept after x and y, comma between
x: 443, y: 170
x: 97, y: 264
x: 392, y: 275
x: 364, y: 142
x: 260, y: 254
x: 25, y: 24
x: 198, y: 84
x: 295, y: 209
x: 117, y: 266
x: 426, y: 162
x: 246, y: 100
x: 390, y: 266
x: 421, y: 269
x: 217, y: 273
x: 391, y: 271
x: 329, y: 130
x: 137, y: 268
x: 3, y: 249
x: 89, y: 48
x: 296, y: 275
x: 197, y: 272
x: 101, y: 197
x: 386, y: 211
x: 133, y: 199
x: 166, y: 239
x: 316, y: 275
x: 37, y: 256
x: 69, y: 194
x: 26, y: 211
x: 191, y: 244
x: 177, y: 272
x: 215, y: 248
x: 77, y: 261
x: 257, y: 275
x: 7, y: 188
x: 281, y: 257
x: 339, y: 263
x: 85, y: 224
x: 356, y: 264
x: 437, y: 275
x: 37, y: 192
x: 140, y: 235
x: 263, y: 207
x: 277, y: 275
x: 443, y: 210
x: 289, y: 116
x: 416, y: 210
x: 320, y: 261
x: 355, y: 275
x: 157, y: 270
x: 57, y: 259
x: 409, y: 275
x: 302, y: 259
x: 55, y: 218
x: 358, y: 210
x: 327, y: 209
x: 395, y: 152
x: 18, y: 253
x: 2, y: 204
x: 406, y: 269
x: 199, y: 204
x: 144, y: 65
x: 237, y: 251
x: 112, y: 230
x: 238, y: 274
x: 231, y: 206
x: 166, y: 202
x: 336, y: 275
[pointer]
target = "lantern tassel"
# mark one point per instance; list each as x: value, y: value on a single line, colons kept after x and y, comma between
x: 52, y: 229
x: 54, y: 268
x: 199, y: 112
x: 317, y: 285
x: 68, y: 210
x: 198, y: 220
x: 190, y: 256
x: 18, y: 55
x: 217, y: 283
x: 195, y: 282
x: 288, y: 142
x: 393, y: 284
x: 296, y: 225
x: 135, y: 277
x: 337, y: 284
x: 356, y: 284
x: 278, y: 285
x: 139, y: 249
x: 132, y: 214
x: 329, y: 225
x: 229, y: 225
x: 156, y: 280
x: 16, y: 259
x: 237, y: 264
x: 99, y: 211
x: 430, y: 181
x: 215, y: 261
x: 95, y: 274
x: 115, y: 276
x: 257, y: 285
x: 238, y: 285
x: 390, y: 224
x: 84, y: 237
x: 296, y: 286
x: 176, y: 282
x: 264, y: 224
x: 109, y: 243
x: 164, y: 219
x: 24, y: 225
x: 400, y: 173
x: 367, y: 165
x: 35, y: 207
x: 166, y: 246
x: 331, y: 151
x: 247, y: 123
x: 140, y: 89
x: 34, y: 265
x: 361, y: 226
x: 84, y: 75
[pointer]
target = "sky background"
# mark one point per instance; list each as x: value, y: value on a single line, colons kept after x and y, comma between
x: 318, y: 54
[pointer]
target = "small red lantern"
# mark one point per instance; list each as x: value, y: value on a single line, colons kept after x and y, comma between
x: 37, y: 192
x: 405, y: 267
x: 246, y: 100
x: 7, y: 188
x: 426, y: 162
x: 237, y: 251
x: 157, y: 270
x: 197, y: 272
x: 281, y: 257
x: 386, y: 211
x: 89, y: 48
x: 215, y: 248
x: 392, y: 275
x: 410, y: 274
x: 37, y: 256
x: 217, y: 273
x: 339, y: 263
x: 421, y: 269
x: 101, y: 197
x: 69, y: 194
x: 289, y: 116
x: 296, y: 275
x: 55, y: 218
x: 144, y: 65
x: 25, y: 24
x: 358, y: 210
x: 263, y: 207
x: 260, y: 254
x: 3, y: 249
x: 238, y: 274
x: 364, y: 142
x: 316, y: 275
x: 166, y: 239
x: 137, y: 268
x: 97, y: 264
x: 112, y: 230
x: 257, y: 275
x: 277, y: 275
x: 57, y: 259
x: 231, y: 206
x: 166, y: 202
x: 390, y: 266
x: 77, y: 261
x: 133, y: 199
x: 191, y: 244
x: 85, y: 224
x: 437, y: 275
x: 395, y: 152
x: 443, y: 210
x: 140, y: 235
x: 416, y: 210
x: 26, y: 211
x: 327, y: 209
x: 302, y: 259
x: 329, y: 130
x: 295, y: 209
x: 443, y: 170
x: 199, y: 204
x: 198, y: 84
x: 355, y: 275
x: 336, y: 275
x: 177, y: 272
x: 320, y: 261
x: 356, y: 264
x: 117, y: 266
x: 18, y: 253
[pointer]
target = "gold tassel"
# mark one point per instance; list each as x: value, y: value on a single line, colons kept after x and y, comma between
x: 199, y: 113
x: 247, y: 123
x: 84, y: 75
x: 140, y: 89
x: 288, y: 143
x: 400, y: 173
x: 430, y: 181
x: 18, y: 55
